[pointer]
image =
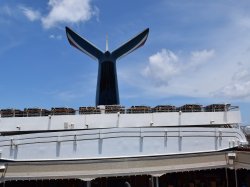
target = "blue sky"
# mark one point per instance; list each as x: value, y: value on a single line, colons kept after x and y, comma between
x: 197, y: 52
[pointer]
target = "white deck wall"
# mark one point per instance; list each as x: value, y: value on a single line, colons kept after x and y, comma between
x: 118, y: 120
x: 118, y: 142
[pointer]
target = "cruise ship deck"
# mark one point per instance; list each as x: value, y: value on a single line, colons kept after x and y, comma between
x: 110, y: 145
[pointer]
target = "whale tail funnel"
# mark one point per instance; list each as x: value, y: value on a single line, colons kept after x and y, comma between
x: 107, y: 92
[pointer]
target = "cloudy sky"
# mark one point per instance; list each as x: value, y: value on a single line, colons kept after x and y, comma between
x: 197, y: 52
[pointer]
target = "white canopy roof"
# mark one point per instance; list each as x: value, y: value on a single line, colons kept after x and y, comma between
x: 155, y: 166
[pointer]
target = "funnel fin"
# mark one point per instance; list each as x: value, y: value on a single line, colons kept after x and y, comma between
x: 83, y: 45
x: 131, y: 45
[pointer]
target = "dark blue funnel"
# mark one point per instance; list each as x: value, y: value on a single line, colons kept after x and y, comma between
x: 107, y: 87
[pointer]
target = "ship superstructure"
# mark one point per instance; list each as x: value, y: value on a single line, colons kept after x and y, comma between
x: 111, y: 140
x: 113, y: 132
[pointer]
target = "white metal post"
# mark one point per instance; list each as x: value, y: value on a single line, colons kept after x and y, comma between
x: 157, y: 181
x: 88, y: 183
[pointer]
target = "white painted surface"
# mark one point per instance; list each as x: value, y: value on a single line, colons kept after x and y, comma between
x: 118, y: 143
x: 91, y: 169
x: 118, y: 120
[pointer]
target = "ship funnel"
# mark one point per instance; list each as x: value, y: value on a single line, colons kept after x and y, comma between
x: 107, y: 87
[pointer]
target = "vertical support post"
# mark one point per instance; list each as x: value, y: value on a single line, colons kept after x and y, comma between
x: 216, y: 139
x: 179, y: 133
x: 100, y: 142
x: 226, y: 176
x: 141, y: 141
x: 88, y: 183
x: 49, y: 123
x: 179, y: 120
x: 152, y: 181
x: 118, y: 119
x: 235, y: 174
x: 157, y: 181
x: 225, y: 113
x: 236, y: 178
x: 165, y: 140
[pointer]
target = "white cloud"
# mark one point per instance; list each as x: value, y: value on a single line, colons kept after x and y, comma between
x: 200, y: 57
x: 222, y: 73
x: 6, y: 10
x: 244, y: 22
x: 65, y: 11
x: 166, y: 65
x: 10, y: 46
x: 31, y: 14
x: 238, y: 88
x: 162, y: 66
x: 56, y: 37
x: 62, y: 11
